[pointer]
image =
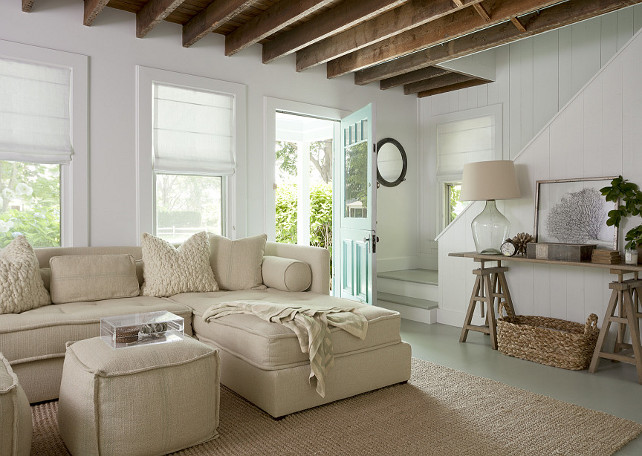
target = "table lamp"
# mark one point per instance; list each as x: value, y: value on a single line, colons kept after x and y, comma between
x: 489, y: 181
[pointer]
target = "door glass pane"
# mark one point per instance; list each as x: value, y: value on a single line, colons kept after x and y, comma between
x: 356, y: 170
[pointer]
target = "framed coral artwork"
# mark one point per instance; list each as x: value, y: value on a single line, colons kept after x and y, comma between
x: 573, y: 211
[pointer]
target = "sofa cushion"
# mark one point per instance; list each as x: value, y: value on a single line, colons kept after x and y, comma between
x: 42, y: 333
x: 21, y: 286
x: 271, y: 346
x: 286, y: 274
x: 15, y: 414
x: 237, y: 264
x: 77, y: 278
x: 169, y: 270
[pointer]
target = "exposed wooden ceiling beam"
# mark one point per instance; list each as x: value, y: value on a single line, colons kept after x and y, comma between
x: 93, y: 9
x: 27, y: 5
x: 406, y: 17
x: 282, y: 14
x: 436, y: 83
x: 556, y: 16
x: 218, y: 12
x: 413, y: 76
x: 450, y: 88
x: 152, y: 13
x: 458, y: 24
x: 343, y: 16
x: 485, y: 15
x: 518, y: 24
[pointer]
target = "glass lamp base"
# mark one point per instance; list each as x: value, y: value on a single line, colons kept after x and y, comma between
x: 490, y: 229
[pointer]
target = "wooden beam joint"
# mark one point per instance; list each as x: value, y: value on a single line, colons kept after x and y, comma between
x: 485, y: 15
x: 152, y: 13
x: 93, y: 9
x: 518, y: 24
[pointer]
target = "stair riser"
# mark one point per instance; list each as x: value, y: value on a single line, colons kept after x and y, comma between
x: 428, y: 292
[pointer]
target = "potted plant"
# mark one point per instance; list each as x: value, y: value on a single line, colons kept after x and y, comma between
x: 630, y: 198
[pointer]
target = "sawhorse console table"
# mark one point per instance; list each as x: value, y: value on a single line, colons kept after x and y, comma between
x: 623, y: 308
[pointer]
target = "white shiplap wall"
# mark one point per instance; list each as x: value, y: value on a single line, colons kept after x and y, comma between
x: 599, y: 133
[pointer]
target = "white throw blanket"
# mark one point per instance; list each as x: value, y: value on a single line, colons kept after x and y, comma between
x: 310, y: 324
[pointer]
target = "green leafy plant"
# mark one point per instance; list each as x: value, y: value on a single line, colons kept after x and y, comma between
x: 630, y: 198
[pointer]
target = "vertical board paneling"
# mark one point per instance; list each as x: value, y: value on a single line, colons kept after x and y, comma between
x: 608, y: 37
x: 585, y: 58
x: 625, y: 26
x: 598, y: 134
x: 545, y: 71
x: 593, y: 151
x: 631, y: 112
x: 565, y: 85
x: 611, y: 141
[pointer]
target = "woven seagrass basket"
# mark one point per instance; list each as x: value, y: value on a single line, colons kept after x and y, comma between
x: 549, y: 341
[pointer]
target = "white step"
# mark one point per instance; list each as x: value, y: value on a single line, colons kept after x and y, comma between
x: 413, y: 293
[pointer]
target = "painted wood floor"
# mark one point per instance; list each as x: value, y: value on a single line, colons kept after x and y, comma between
x: 613, y: 388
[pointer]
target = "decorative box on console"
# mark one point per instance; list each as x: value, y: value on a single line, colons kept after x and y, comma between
x: 138, y: 329
x: 559, y: 252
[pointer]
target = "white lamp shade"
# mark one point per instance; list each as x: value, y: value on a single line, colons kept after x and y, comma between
x: 489, y: 180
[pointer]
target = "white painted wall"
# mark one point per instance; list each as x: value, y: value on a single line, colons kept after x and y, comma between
x: 598, y: 133
x: 114, y: 51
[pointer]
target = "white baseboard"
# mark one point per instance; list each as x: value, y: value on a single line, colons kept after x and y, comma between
x: 396, y: 264
x: 428, y: 316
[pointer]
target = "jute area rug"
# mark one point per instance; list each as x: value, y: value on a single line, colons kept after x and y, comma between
x: 441, y: 411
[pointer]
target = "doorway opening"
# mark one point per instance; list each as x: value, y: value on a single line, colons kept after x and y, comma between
x: 303, y: 179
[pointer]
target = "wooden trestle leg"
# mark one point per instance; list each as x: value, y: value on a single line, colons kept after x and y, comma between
x: 623, y: 309
x: 490, y: 288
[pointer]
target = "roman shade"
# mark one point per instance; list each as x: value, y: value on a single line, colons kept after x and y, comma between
x: 35, y: 112
x: 193, y: 131
x: 464, y: 141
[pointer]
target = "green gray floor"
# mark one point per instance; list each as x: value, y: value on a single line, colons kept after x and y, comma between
x: 613, y: 388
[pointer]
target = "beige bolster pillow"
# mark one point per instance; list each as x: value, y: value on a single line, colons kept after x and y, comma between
x: 286, y: 274
x: 92, y: 277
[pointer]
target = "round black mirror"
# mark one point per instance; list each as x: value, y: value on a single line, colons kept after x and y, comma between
x: 392, y: 162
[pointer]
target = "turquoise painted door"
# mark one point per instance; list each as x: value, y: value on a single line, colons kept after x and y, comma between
x: 356, y: 208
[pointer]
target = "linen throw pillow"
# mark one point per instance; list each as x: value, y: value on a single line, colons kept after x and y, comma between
x: 76, y: 278
x: 237, y: 264
x: 169, y: 270
x: 21, y: 286
x: 286, y: 274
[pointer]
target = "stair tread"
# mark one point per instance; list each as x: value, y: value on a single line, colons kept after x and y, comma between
x: 425, y: 276
x: 407, y: 300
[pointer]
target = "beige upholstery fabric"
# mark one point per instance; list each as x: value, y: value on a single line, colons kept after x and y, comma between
x: 153, y: 399
x: 284, y: 391
x: 15, y: 414
x: 271, y: 346
x: 169, y: 270
x: 286, y: 274
x: 21, y: 286
x: 92, y: 277
x: 317, y: 257
x: 237, y: 264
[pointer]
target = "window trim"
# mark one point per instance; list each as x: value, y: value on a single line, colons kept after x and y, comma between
x: 145, y: 175
x: 74, y: 201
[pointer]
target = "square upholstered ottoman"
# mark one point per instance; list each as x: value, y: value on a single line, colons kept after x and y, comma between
x: 15, y: 414
x: 144, y: 400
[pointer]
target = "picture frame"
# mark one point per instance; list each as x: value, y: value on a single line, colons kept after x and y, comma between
x: 573, y: 211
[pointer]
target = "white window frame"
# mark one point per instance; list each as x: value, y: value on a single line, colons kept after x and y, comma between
x: 146, y: 182
x: 74, y: 201
x: 440, y: 192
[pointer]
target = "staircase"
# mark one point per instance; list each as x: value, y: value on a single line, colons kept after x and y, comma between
x: 411, y: 292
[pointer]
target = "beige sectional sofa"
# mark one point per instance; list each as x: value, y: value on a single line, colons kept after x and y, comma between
x: 261, y: 361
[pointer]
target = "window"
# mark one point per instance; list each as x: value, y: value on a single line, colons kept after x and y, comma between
x: 189, y: 137
x: 40, y: 90
x: 464, y: 138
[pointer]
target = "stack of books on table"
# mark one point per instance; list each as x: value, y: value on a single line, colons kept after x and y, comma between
x: 606, y: 256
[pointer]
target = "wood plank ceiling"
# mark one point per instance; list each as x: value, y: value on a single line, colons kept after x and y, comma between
x: 393, y: 42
